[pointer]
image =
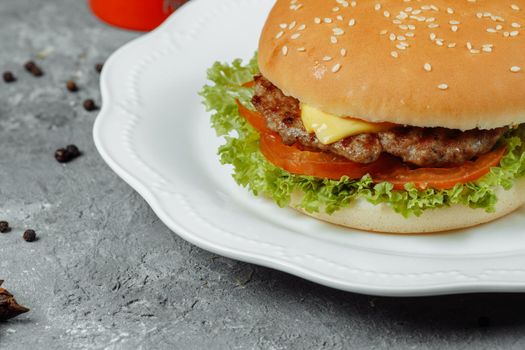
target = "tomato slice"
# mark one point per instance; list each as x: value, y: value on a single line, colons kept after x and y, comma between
x: 255, y: 119
x: 443, y: 178
x: 317, y: 164
x: 386, y: 169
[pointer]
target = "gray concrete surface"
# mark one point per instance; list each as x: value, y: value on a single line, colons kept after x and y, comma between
x: 107, y: 274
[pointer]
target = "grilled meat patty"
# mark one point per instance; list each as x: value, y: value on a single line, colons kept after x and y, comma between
x: 283, y: 115
x: 420, y: 146
x: 438, y: 146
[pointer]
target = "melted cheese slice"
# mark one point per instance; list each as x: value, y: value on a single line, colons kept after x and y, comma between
x: 329, y: 128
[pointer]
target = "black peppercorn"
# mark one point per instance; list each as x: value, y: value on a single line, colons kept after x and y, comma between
x: 73, y: 151
x: 33, y: 68
x: 90, y: 105
x: 9, y: 77
x: 62, y: 156
x: 65, y: 155
x: 4, y: 227
x: 29, y: 236
x: 72, y: 86
x: 98, y: 67
x: 29, y: 66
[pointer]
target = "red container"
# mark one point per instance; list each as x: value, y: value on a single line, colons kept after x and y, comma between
x: 143, y: 15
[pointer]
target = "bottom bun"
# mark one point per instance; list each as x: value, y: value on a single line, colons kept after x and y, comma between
x: 363, y: 215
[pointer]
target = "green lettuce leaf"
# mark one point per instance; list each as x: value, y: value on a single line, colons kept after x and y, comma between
x: 252, y: 171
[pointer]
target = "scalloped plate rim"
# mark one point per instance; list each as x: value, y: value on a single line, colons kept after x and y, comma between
x: 154, y: 201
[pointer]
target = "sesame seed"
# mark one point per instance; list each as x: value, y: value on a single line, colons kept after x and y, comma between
x: 338, y: 31
x: 400, y: 47
x: 301, y: 49
x: 283, y: 25
x: 419, y: 18
x: 343, y: 52
x: 351, y: 23
x: 333, y: 39
x: 317, y: 20
x: 328, y: 20
x: 394, y: 54
x: 515, y: 69
x: 285, y: 50
x: 292, y: 25
x: 327, y: 58
x: 403, y: 15
x: 443, y: 86
x: 377, y: 7
x: 336, y: 68
x: 295, y: 36
x: 427, y: 67
x: 515, y: 7
x: 279, y: 35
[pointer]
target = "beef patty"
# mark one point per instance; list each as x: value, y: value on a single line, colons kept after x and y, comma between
x: 419, y: 146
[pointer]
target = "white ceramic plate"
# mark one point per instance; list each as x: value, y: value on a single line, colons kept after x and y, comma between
x: 154, y: 132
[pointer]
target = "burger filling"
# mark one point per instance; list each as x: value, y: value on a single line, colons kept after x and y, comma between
x: 424, y: 147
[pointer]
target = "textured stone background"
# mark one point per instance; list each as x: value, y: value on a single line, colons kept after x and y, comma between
x: 106, y: 273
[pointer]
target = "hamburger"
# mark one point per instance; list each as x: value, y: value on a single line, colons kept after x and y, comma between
x: 390, y: 116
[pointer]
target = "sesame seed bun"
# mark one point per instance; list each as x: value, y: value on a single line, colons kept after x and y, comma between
x: 453, y: 64
x: 360, y: 212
